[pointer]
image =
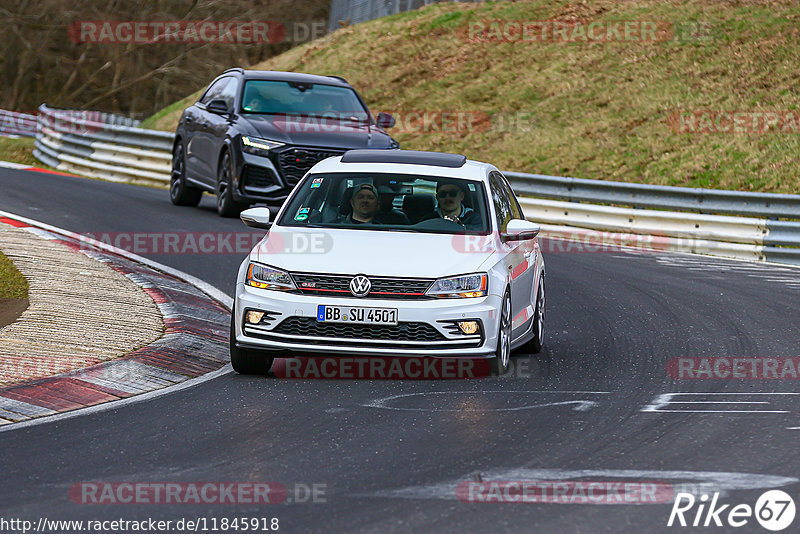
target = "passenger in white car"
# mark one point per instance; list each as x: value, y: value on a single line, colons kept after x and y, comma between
x: 365, y: 205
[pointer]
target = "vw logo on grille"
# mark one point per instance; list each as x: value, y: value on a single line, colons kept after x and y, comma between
x: 360, y: 286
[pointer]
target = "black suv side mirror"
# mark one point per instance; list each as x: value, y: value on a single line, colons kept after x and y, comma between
x: 219, y: 107
x: 384, y: 120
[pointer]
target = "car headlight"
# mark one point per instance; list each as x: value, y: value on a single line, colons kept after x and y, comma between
x: 464, y: 286
x: 266, y: 277
x: 258, y: 146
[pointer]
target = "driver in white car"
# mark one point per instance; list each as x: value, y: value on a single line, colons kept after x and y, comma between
x: 450, y: 197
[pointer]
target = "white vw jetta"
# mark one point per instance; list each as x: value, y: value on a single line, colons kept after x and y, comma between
x: 391, y: 253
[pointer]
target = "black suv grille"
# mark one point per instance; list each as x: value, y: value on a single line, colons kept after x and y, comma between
x: 295, y: 162
x: 257, y: 177
x: 382, y: 288
x: 308, y: 326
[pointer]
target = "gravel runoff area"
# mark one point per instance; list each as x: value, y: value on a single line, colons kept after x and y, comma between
x: 122, y: 327
x: 81, y: 311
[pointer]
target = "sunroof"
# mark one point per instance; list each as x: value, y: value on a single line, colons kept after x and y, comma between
x: 411, y: 157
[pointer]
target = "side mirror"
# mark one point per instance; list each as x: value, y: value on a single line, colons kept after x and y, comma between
x: 520, y: 230
x: 220, y: 107
x: 384, y: 120
x: 256, y: 218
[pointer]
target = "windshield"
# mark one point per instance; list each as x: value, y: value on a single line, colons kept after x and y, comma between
x: 317, y: 100
x: 393, y: 202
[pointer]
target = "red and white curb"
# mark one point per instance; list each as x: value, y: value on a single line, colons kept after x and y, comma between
x: 194, y: 344
x: 23, y: 167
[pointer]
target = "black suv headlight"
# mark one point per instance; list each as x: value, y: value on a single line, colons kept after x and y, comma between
x: 258, y: 146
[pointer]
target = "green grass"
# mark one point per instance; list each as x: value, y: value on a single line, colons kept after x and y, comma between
x: 592, y: 110
x: 18, y: 151
x: 12, y: 284
x: 163, y: 119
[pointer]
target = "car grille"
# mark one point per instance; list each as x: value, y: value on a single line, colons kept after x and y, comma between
x: 308, y: 326
x: 295, y: 162
x: 382, y: 287
x: 257, y: 177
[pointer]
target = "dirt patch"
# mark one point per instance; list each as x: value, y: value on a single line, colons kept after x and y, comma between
x: 10, y: 309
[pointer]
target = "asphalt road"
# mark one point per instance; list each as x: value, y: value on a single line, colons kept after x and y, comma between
x: 392, y: 465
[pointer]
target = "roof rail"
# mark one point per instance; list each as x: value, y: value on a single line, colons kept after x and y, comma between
x: 338, y: 78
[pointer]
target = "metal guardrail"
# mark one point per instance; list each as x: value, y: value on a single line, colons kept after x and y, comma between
x: 103, y: 146
x: 17, y: 124
x: 717, y: 235
x: 768, y: 238
x: 656, y: 196
x: 685, y: 219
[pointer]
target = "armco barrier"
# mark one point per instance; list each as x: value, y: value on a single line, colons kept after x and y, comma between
x: 17, y: 124
x: 757, y: 230
x: 102, y: 146
x: 685, y: 219
x: 656, y: 196
x: 733, y: 237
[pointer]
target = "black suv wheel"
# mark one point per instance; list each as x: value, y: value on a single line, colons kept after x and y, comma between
x: 180, y: 193
x: 226, y: 205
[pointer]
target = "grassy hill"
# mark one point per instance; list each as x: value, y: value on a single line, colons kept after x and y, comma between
x: 603, y: 109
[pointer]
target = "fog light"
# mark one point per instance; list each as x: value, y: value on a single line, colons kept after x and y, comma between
x: 469, y: 327
x: 254, y: 317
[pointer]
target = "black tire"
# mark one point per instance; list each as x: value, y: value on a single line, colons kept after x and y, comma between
x: 247, y: 362
x: 181, y: 193
x: 534, y: 346
x: 226, y: 205
x: 502, y: 356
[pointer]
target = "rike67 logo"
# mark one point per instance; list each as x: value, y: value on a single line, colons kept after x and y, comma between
x: 774, y: 510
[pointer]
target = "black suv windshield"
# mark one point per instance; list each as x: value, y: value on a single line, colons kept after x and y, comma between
x: 294, y: 98
x: 393, y: 202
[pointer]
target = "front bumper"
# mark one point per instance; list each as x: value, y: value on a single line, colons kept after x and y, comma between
x: 258, y: 179
x: 271, y: 178
x: 437, y: 313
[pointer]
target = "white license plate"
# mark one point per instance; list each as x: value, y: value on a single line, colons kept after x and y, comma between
x: 356, y: 315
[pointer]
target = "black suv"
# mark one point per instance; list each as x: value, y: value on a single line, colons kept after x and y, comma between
x: 254, y: 134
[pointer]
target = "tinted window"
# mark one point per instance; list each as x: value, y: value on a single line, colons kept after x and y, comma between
x: 228, y: 93
x: 214, y: 92
x: 502, y: 203
x: 275, y: 97
x: 394, y: 202
x: 516, y: 209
